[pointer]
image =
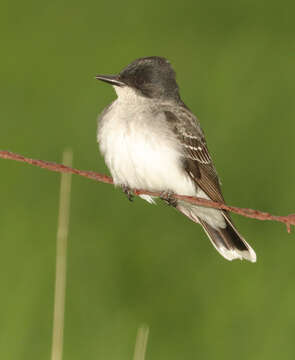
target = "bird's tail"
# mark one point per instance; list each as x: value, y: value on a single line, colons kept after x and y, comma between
x: 227, y: 241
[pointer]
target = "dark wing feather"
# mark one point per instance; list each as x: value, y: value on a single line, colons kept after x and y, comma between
x: 197, y: 160
x: 198, y: 164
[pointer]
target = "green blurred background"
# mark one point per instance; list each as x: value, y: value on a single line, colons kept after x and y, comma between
x: 134, y: 263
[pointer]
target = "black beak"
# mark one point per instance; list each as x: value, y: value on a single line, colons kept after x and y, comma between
x: 110, y: 79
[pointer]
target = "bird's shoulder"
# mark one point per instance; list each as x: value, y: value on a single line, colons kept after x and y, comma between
x: 187, y: 128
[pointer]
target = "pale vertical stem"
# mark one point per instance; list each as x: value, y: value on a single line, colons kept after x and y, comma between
x: 61, y: 260
x: 141, y: 342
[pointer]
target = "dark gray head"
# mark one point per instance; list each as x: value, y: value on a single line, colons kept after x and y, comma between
x: 152, y: 77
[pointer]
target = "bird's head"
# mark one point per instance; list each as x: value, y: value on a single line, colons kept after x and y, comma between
x: 151, y: 77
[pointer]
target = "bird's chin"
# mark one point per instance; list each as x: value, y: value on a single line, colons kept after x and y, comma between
x: 127, y: 93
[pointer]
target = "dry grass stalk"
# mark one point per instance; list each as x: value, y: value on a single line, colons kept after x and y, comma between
x: 141, y: 342
x: 61, y: 260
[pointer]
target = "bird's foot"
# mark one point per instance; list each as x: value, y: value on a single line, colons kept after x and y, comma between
x: 168, y: 197
x: 126, y: 189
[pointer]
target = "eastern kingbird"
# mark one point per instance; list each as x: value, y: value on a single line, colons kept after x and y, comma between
x: 151, y: 140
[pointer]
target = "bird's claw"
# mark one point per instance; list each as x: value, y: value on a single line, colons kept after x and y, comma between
x: 128, y: 192
x: 168, y: 197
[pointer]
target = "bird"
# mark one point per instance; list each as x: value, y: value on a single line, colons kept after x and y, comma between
x: 151, y: 140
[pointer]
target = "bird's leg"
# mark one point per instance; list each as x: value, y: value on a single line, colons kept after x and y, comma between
x: 167, y: 196
x: 126, y: 189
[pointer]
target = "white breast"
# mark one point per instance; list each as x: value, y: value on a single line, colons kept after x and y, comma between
x: 140, y: 149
